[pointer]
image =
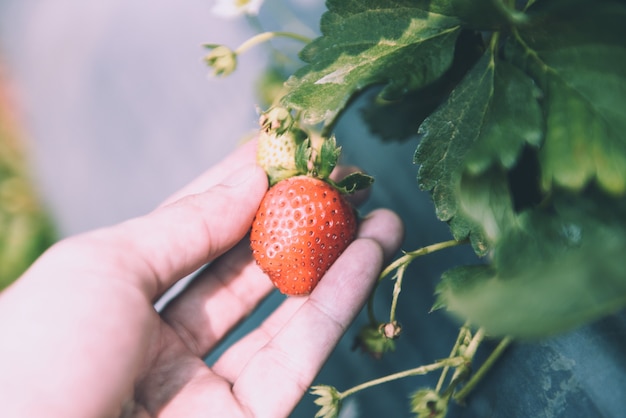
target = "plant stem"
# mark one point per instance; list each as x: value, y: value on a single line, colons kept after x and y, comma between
x: 266, y: 36
x: 410, y: 256
x: 478, y: 337
x: 463, y: 331
x: 484, y: 368
x: 449, y: 362
x: 405, y: 260
x: 462, y: 372
x: 397, y: 288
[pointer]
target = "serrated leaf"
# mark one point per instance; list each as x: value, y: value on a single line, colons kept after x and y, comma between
x: 400, y: 119
x: 448, y: 135
x: 392, y: 43
x: 486, y: 122
x: 579, y: 60
x: 555, y: 269
x: 513, y: 120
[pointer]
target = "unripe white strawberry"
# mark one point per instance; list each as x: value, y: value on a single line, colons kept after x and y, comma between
x: 276, y: 153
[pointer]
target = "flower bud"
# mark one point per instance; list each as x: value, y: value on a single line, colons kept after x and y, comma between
x: 373, y: 339
x: 277, y: 119
x: 427, y: 403
x: 329, y: 399
x: 222, y: 59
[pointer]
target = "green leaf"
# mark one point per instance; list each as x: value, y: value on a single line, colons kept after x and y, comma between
x: 353, y: 182
x: 478, y: 14
x: 365, y: 43
x: 485, y: 123
x: 400, y: 119
x: 485, y: 208
x: 579, y: 61
x: 449, y: 133
x: 554, y: 269
x: 512, y: 120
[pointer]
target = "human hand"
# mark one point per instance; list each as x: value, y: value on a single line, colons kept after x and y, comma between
x: 81, y: 337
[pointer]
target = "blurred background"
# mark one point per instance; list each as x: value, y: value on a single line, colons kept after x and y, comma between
x: 115, y: 110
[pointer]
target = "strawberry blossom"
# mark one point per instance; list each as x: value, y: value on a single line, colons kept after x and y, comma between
x: 234, y: 8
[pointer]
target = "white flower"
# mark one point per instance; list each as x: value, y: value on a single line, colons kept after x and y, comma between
x: 234, y: 8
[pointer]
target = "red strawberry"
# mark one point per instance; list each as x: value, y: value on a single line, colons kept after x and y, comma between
x: 302, y: 226
x: 303, y: 223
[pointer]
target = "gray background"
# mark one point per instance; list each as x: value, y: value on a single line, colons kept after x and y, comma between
x: 120, y: 113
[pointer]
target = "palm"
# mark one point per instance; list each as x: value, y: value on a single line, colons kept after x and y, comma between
x: 89, y: 302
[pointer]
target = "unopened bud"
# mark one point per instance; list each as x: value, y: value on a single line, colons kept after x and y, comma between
x: 391, y: 330
x: 277, y: 119
x: 222, y: 59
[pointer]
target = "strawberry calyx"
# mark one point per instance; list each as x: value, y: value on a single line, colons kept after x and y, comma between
x: 319, y: 162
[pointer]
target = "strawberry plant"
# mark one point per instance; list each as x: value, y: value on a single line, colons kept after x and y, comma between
x: 518, y: 109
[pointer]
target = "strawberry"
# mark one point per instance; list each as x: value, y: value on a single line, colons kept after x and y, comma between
x: 304, y: 221
x: 302, y: 226
x: 277, y: 143
x: 276, y: 154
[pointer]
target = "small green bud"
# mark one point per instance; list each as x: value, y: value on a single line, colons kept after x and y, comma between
x: 427, y: 403
x: 222, y: 59
x: 277, y: 119
x: 378, y: 339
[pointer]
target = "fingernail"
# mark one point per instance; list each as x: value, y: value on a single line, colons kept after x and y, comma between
x: 241, y: 176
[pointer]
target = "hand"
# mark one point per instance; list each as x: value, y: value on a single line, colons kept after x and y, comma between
x: 81, y: 338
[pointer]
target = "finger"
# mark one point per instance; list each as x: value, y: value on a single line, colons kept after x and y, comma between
x: 231, y: 287
x: 293, y: 343
x: 216, y: 301
x: 290, y: 360
x: 241, y: 156
x: 156, y: 250
x: 385, y: 227
x: 381, y: 225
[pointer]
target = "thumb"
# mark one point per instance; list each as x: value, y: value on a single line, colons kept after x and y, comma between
x: 174, y: 240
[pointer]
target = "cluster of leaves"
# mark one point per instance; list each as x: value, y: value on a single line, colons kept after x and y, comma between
x: 522, y: 140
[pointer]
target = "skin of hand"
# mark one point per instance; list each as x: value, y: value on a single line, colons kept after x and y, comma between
x: 80, y: 336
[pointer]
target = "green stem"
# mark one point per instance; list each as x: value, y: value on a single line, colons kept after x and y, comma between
x: 463, y: 331
x: 450, y: 362
x: 405, y: 260
x: 461, y: 373
x: 484, y: 368
x: 266, y: 36
x: 478, y: 337
x: 397, y: 288
x: 278, y: 54
x: 410, y: 256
